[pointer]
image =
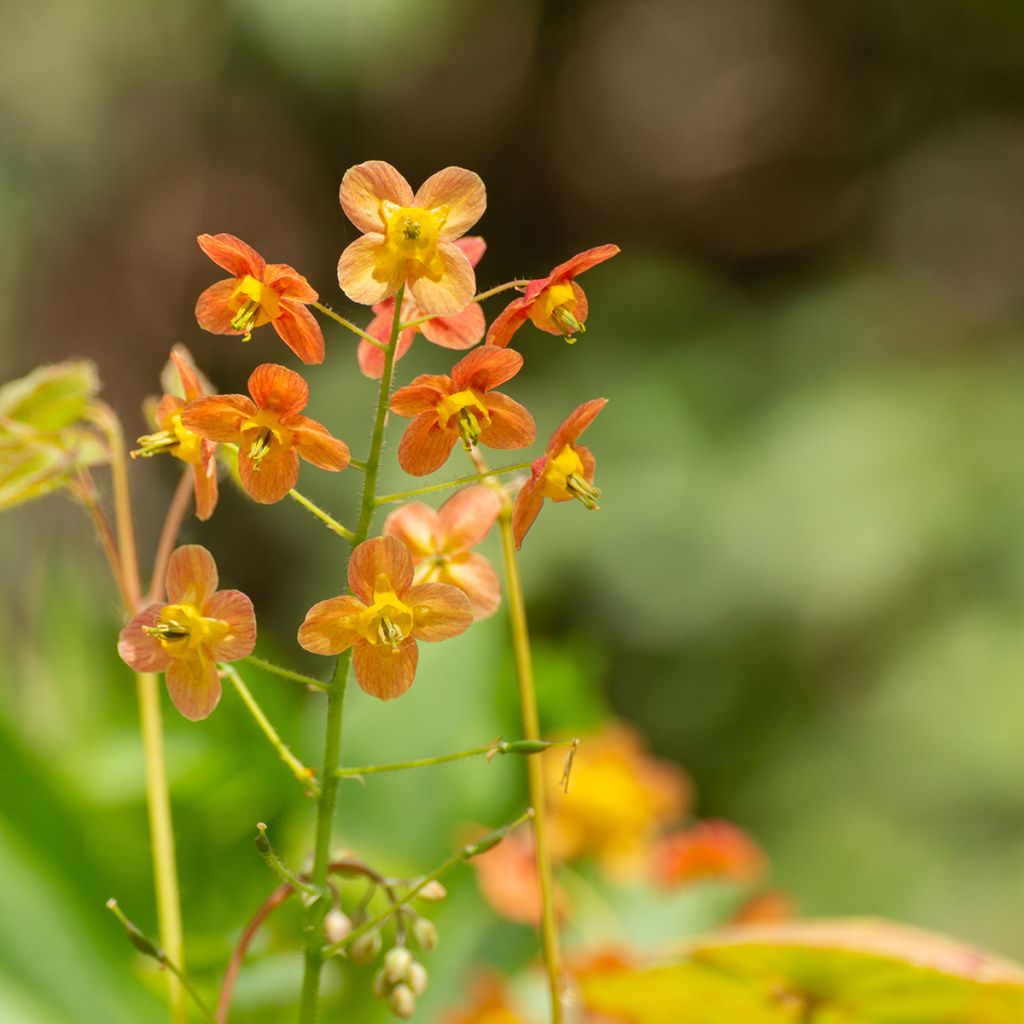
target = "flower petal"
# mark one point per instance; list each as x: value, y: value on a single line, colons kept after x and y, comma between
x: 143, y: 653
x: 511, y: 424
x: 527, y: 507
x: 365, y: 185
x: 279, y: 389
x: 377, y: 556
x: 459, y: 331
x: 508, y: 321
x: 574, y: 424
x: 298, y: 329
x: 328, y: 626
x: 231, y: 253
x: 476, y: 578
x: 425, y: 446
x: 205, y: 482
x: 218, y: 417
x: 191, y: 384
x: 461, y: 191
x: 194, y: 686
x: 474, y: 247
x: 576, y: 265
x: 371, y: 358
x: 213, y: 307
x: 289, y: 283
x: 359, y: 271
x: 486, y: 368
x: 440, y: 611
x: 314, y: 442
x: 385, y: 673
x: 191, y: 576
x: 422, y: 395
x: 413, y: 524
x: 467, y: 517
x: 234, y: 608
x: 452, y: 291
x: 276, y: 474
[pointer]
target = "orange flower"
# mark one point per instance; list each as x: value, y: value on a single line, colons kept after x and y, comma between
x: 708, y: 849
x: 556, y: 303
x: 619, y: 798
x: 410, y: 239
x: 384, y: 617
x: 768, y: 907
x: 258, y: 293
x: 507, y: 878
x: 462, y: 406
x: 269, y: 430
x: 441, y: 543
x: 460, y: 331
x: 187, y: 637
x: 174, y: 437
x: 565, y: 470
x: 488, y: 1004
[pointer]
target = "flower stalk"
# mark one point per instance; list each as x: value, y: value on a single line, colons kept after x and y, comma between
x: 472, y: 478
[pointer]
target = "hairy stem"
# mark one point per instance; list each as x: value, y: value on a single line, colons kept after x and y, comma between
x: 479, y: 297
x: 286, y: 673
x: 388, y: 499
x: 329, y: 521
x: 327, y: 311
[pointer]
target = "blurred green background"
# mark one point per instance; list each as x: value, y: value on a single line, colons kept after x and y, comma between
x: 806, y: 583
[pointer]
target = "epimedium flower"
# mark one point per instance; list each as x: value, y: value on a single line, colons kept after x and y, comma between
x: 410, y: 239
x: 556, y: 303
x: 463, y: 407
x: 384, y: 617
x: 441, y: 544
x: 565, y: 470
x: 186, y: 637
x: 270, y: 431
x: 258, y: 293
x: 708, y: 849
x: 173, y: 437
x: 462, y: 330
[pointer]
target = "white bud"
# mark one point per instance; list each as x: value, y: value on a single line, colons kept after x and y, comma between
x: 417, y: 978
x: 397, y: 963
x: 380, y: 984
x: 425, y: 933
x: 366, y: 948
x: 433, y: 891
x: 402, y: 1002
x: 337, y: 926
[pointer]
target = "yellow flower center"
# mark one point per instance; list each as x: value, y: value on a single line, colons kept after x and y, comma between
x: 564, y: 477
x: 254, y: 304
x: 387, y: 621
x: 182, y: 630
x: 469, y: 412
x: 411, y: 235
x: 175, y: 438
x: 555, y: 307
x: 263, y: 433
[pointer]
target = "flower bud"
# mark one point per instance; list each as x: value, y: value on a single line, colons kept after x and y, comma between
x: 402, y: 1002
x: 425, y: 934
x: 433, y: 891
x: 380, y: 984
x: 417, y: 978
x: 397, y: 963
x: 337, y: 926
x: 366, y: 948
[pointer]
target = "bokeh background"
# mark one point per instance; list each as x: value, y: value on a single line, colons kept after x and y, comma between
x: 806, y: 583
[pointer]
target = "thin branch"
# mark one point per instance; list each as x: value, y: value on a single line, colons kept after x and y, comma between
x: 387, y: 499
x: 329, y: 521
x: 169, y: 534
x: 496, y: 290
x: 351, y: 326
x: 286, y: 673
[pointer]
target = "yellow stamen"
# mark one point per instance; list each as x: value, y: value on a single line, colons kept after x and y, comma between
x: 257, y: 304
x: 555, y: 308
x: 583, y: 491
x: 470, y: 415
x: 387, y: 621
x: 412, y: 236
x: 565, y: 478
x: 154, y: 444
x: 260, y: 448
x: 181, y: 629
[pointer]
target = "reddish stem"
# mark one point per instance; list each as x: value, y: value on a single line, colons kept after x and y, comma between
x: 169, y: 534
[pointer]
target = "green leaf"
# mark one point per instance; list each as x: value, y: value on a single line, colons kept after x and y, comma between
x: 50, y: 398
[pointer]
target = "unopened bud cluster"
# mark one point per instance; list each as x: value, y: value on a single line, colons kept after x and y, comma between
x: 400, y: 980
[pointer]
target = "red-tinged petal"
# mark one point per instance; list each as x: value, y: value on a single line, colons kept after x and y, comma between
x: 466, y: 518
x: 574, y: 424
x: 527, y: 507
x: 279, y: 389
x: 588, y: 460
x: 289, y: 283
x: 476, y: 578
x: 425, y: 446
x: 298, y: 329
x: 213, y: 307
x: 486, y: 368
x: 582, y: 310
x: 371, y: 358
x: 204, y: 478
x: 194, y: 686
x: 461, y: 191
x: 459, y: 331
x: 413, y: 524
x: 364, y: 187
x: 218, y: 417
x: 166, y: 408
x: 231, y: 253
x: 191, y: 384
x: 452, y: 292
x: 385, y: 673
x: 191, y: 576
x: 422, y: 395
x: 440, y: 611
x: 474, y: 247
x: 511, y: 424
x: 576, y: 265
x: 378, y: 556
x: 508, y: 321
x: 143, y: 653
x: 329, y: 625
x: 359, y: 272
x: 277, y: 474
x: 234, y: 608
x: 313, y: 441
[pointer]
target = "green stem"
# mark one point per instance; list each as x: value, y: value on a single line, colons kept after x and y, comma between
x: 278, y: 866
x: 286, y: 673
x: 479, y: 297
x: 317, y: 910
x: 303, y: 774
x: 348, y: 323
x: 387, y: 499
x: 327, y: 520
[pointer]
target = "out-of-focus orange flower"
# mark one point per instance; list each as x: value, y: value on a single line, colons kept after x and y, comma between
x: 708, y: 849
x: 488, y: 1004
x: 441, y: 544
x: 459, y: 331
x: 565, y: 470
x: 768, y: 907
x: 174, y: 437
x: 619, y: 798
x: 187, y: 637
x: 410, y: 239
x: 258, y: 293
x: 461, y: 407
x: 556, y: 303
x: 270, y: 431
x: 384, y: 616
